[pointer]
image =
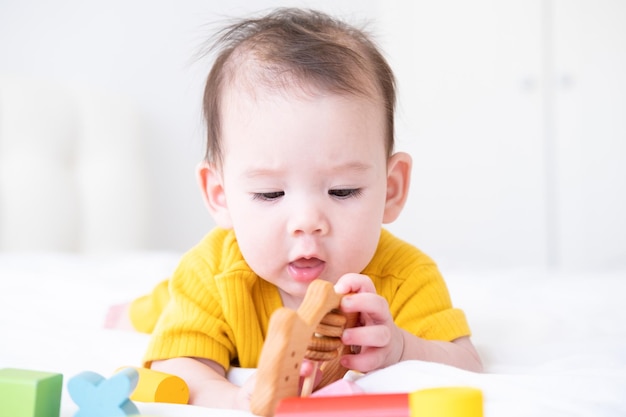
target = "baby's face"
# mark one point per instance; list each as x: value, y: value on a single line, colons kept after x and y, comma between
x: 305, y: 181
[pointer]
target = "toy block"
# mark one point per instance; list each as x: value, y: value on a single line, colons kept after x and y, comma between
x: 362, y: 405
x: 159, y: 387
x: 100, y: 397
x: 30, y: 393
x: 440, y: 402
x: 447, y: 402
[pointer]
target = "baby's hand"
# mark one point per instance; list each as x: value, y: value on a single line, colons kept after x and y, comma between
x: 381, y: 341
x: 244, y: 394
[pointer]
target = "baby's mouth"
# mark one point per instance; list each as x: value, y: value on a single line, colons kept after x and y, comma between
x: 306, y: 262
x: 306, y: 269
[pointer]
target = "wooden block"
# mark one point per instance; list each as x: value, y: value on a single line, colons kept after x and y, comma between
x: 100, y: 397
x: 159, y: 387
x: 288, y: 336
x: 30, y: 393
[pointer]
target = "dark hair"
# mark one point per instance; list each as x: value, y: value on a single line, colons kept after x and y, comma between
x: 300, y: 46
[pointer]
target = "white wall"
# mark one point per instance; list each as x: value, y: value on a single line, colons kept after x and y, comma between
x: 590, y: 131
x: 514, y: 116
x: 143, y: 49
x: 515, y: 113
x: 470, y: 114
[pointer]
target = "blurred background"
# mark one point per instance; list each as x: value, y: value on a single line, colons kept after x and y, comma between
x: 513, y: 110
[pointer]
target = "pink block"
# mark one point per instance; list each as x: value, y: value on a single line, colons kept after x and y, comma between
x: 341, y: 387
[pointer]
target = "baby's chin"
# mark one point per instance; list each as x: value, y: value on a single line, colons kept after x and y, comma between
x: 292, y: 298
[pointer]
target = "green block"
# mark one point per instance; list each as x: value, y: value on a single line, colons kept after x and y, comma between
x: 26, y: 393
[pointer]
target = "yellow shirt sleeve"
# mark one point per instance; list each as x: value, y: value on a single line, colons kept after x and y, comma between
x: 218, y: 308
x: 417, y: 294
x: 146, y: 310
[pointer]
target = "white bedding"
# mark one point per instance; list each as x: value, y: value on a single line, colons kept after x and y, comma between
x: 553, y: 344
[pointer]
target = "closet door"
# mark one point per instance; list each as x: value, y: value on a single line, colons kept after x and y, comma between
x: 470, y: 113
x: 590, y: 132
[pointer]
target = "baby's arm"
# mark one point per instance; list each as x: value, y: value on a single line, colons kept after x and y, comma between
x: 383, y: 343
x: 207, y: 383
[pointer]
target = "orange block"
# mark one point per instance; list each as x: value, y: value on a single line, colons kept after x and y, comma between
x: 159, y: 387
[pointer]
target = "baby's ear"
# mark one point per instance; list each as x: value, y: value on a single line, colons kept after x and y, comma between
x: 212, y: 189
x: 398, y: 181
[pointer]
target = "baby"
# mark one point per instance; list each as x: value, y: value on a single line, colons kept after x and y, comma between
x: 299, y: 175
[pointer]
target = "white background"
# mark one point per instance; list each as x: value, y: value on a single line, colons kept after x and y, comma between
x: 513, y: 110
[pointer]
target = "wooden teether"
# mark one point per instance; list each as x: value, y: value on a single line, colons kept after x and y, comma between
x: 311, y: 332
x: 325, y: 345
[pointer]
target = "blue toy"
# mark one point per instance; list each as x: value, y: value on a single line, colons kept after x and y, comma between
x: 100, y: 397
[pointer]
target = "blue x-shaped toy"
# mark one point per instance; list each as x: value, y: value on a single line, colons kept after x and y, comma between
x: 100, y: 397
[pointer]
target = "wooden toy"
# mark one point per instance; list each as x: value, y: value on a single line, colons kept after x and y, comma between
x: 311, y: 333
x: 30, y: 393
x: 434, y: 402
x: 159, y: 387
x: 325, y: 346
x: 100, y: 397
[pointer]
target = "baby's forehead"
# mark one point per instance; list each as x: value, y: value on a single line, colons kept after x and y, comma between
x: 246, y: 98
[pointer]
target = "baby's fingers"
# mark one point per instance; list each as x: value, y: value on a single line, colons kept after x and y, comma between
x: 354, y: 283
x: 374, y: 309
x: 370, y: 336
x: 369, y: 359
x: 380, y: 345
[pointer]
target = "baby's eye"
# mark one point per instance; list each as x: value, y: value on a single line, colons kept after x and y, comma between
x: 345, y: 192
x: 271, y: 196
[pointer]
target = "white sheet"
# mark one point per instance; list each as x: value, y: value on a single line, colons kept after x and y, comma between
x: 554, y: 344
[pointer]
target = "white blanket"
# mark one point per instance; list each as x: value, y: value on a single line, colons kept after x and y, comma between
x: 553, y: 344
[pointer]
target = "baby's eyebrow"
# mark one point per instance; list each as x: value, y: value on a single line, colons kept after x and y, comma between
x: 262, y: 172
x: 342, y: 167
x: 352, y: 166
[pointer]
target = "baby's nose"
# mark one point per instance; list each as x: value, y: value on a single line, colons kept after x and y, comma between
x: 309, y: 219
